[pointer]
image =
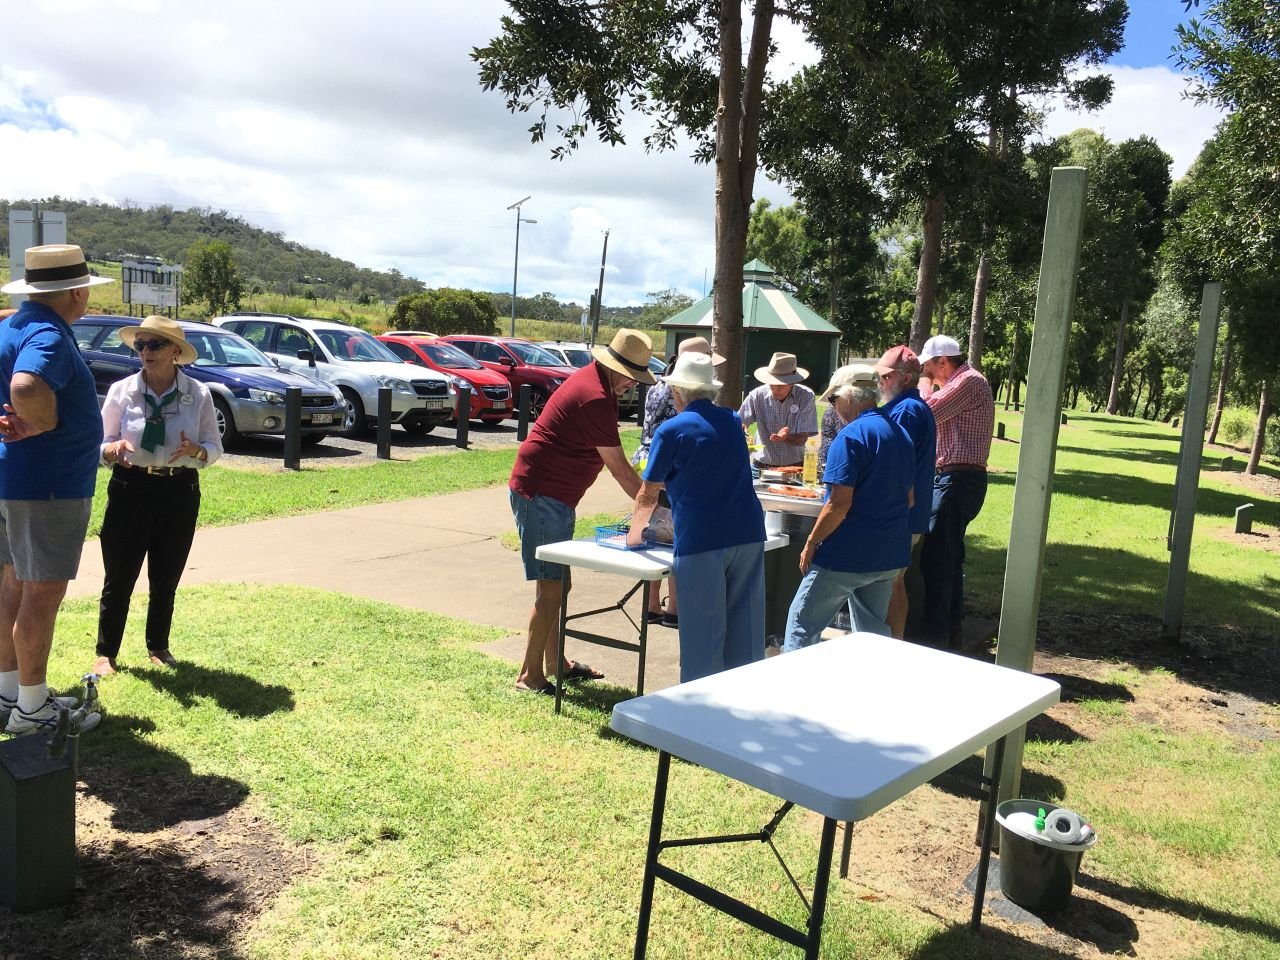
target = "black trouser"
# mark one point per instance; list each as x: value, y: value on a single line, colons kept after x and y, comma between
x: 151, y: 516
x: 958, y: 496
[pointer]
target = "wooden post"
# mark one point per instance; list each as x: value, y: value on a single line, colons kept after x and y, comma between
x: 1189, y: 451
x: 1055, y: 299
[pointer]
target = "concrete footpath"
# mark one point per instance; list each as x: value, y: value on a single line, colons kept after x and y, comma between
x: 440, y: 554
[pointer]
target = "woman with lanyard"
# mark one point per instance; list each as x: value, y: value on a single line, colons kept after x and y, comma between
x: 158, y: 429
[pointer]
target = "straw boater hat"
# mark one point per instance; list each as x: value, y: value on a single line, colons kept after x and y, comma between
x: 628, y: 355
x: 843, y: 376
x: 165, y: 328
x: 693, y: 371
x: 54, y: 267
x: 782, y: 369
x: 699, y: 345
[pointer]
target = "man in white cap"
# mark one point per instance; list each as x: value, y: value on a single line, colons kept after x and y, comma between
x: 965, y: 412
x: 784, y: 412
x: 861, y: 539
x: 576, y: 435
x: 50, y: 432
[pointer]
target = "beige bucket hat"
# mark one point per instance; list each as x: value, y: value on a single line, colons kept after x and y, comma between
x: 628, y: 354
x: 54, y: 267
x: 693, y: 371
x: 843, y: 376
x: 158, y: 326
x: 782, y: 369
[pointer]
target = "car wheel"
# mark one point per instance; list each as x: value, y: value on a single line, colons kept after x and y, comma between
x: 353, y: 424
x: 312, y: 439
x: 226, y: 423
x: 418, y: 428
x: 537, y: 400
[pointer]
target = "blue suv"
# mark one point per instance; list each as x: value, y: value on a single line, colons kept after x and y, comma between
x: 247, y: 388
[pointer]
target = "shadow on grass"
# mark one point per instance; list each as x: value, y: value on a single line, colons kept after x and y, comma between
x: 236, y: 693
x: 148, y: 787
x: 1075, y: 689
x: 958, y: 942
x: 964, y: 780
x: 1209, y: 463
x: 1188, y: 909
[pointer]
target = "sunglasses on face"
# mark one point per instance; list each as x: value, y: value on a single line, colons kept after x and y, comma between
x: 141, y: 345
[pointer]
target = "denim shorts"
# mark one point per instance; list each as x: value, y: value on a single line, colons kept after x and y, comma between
x: 539, y: 521
x: 43, y: 539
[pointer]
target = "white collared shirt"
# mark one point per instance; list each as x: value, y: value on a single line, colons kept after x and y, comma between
x: 124, y: 415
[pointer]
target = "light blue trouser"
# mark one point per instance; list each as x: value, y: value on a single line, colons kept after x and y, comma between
x: 721, y: 609
x: 823, y: 592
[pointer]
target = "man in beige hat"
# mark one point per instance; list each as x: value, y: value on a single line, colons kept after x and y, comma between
x: 574, y: 437
x: 50, y: 430
x: 784, y: 412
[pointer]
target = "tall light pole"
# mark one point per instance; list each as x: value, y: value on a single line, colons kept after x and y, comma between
x: 515, y: 272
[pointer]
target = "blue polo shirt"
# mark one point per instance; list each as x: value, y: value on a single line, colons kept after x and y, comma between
x: 701, y: 456
x: 61, y: 463
x: 874, y: 456
x: 913, y: 415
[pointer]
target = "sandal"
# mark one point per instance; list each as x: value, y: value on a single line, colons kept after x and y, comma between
x: 580, y: 671
x: 651, y: 616
x: 548, y: 689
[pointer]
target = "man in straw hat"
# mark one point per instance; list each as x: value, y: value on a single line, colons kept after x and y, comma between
x: 785, y: 413
x: 860, y: 540
x: 700, y: 458
x: 48, y: 460
x: 574, y: 437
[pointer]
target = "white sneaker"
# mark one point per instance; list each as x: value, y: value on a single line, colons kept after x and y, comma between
x: 7, y: 706
x: 44, y: 719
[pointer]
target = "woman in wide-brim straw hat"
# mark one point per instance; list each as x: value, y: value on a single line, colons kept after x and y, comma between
x: 699, y: 457
x: 159, y: 431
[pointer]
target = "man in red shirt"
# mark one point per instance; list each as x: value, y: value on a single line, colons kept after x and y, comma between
x: 964, y: 410
x: 574, y: 437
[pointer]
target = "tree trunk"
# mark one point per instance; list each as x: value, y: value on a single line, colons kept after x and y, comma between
x: 1223, y: 377
x: 737, y: 141
x: 1117, y: 371
x: 1014, y: 376
x: 927, y: 275
x: 1260, y: 431
x: 977, y: 319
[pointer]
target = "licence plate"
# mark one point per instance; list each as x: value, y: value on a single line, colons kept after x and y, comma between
x: 499, y: 404
x: 319, y: 418
x: 433, y: 404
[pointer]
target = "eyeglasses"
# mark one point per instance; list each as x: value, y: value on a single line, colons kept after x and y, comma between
x: 141, y: 345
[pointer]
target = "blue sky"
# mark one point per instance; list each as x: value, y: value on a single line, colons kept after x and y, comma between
x: 1149, y: 35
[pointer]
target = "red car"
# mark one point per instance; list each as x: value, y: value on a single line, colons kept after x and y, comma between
x: 520, y: 361
x: 490, y: 391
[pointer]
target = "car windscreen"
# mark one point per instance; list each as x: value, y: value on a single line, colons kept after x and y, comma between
x: 355, y: 345
x: 534, y: 356
x: 225, y: 350
x: 576, y: 358
x: 446, y: 356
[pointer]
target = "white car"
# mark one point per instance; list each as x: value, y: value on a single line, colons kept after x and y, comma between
x: 355, y: 362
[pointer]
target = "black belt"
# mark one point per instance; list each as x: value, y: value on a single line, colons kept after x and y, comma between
x: 156, y: 471
x: 963, y: 468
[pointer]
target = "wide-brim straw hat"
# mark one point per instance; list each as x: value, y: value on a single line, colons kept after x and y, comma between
x: 54, y: 267
x: 699, y: 345
x: 853, y: 373
x: 693, y: 371
x: 165, y: 328
x: 781, y: 370
x: 628, y: 354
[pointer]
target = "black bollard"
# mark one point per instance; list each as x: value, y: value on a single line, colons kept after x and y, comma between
x: 1000, y: 430
x: 522, y: 420
x: 463, y: 416
x: 293, y: 428
x: 384, y: 423
x: 642, y: 391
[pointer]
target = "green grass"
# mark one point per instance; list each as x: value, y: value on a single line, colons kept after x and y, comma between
x: 446, y: 815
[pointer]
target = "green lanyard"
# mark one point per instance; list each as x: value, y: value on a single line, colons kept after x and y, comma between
x: 153, y: 432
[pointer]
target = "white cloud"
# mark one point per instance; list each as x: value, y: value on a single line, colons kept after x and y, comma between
x: 362, y: 130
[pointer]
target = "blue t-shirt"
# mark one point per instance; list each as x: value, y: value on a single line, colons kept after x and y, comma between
x: 701, y: 456
x: 911, y: 413
x: 874, y: 456
x: 61, y: 463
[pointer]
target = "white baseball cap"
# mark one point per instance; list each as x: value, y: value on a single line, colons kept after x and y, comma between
x: 940, y: 346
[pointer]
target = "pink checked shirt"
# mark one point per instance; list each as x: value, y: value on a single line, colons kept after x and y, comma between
x: 965, y: 412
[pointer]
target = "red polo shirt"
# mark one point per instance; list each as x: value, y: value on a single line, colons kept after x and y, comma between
x: 558, y: 459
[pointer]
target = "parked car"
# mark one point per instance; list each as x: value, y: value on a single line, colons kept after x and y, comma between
x: 248, y: 389
x: 520, y: 361
x: 356, y: 363
x: 490, y: 391
x: 576, y: 354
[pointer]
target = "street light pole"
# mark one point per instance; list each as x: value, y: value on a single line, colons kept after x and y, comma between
x: 515, y: 272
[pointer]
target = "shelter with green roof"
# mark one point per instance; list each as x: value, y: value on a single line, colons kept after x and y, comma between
x: 773, y: 321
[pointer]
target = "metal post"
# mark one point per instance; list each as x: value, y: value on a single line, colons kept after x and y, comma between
x: 293, y: 428
x: 595, y: 324
x: 384, y: 423
x: 642, y: 391
x: 462, y: 416
x: 1055, y: 298
x: 515, y: 270
x: 522, y: 419
x: 1189, y: 450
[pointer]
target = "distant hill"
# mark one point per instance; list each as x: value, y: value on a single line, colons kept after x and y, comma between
x: 272, y: 263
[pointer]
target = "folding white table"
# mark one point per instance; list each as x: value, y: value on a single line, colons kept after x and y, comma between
x: 842, y: 728
x: 644, y: 566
